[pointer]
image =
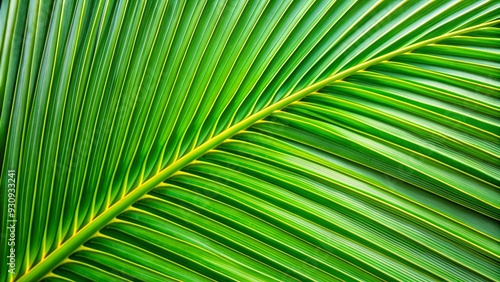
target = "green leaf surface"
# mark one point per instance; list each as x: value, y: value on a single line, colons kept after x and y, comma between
x: 251, y: 140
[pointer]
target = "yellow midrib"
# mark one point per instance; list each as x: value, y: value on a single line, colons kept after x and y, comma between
x: 72, y: 244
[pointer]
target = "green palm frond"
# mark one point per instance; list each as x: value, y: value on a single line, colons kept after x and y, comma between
x: 251, y: 140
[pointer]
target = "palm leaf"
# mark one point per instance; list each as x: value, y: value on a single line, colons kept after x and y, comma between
x: 214, y: 140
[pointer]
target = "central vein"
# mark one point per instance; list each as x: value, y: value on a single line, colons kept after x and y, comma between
x: 72, y: 244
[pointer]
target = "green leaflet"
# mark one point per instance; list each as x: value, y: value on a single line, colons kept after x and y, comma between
x: 233, y: 140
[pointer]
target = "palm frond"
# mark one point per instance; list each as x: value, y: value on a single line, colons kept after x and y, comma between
x: 252, y: 141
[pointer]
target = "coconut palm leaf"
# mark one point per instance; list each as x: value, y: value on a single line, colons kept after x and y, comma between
x: 250, y: 141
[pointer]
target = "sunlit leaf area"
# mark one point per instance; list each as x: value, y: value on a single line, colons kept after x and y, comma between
x: 214, y: 140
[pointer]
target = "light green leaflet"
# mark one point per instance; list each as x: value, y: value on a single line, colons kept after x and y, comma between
x: 250, y: 140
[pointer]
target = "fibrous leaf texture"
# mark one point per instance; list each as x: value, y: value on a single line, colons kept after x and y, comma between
x: 250, y: 140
